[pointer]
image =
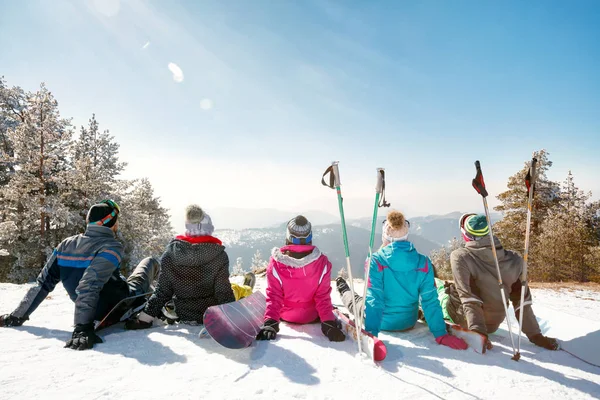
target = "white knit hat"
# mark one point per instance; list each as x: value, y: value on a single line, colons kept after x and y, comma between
x: 197, y: 222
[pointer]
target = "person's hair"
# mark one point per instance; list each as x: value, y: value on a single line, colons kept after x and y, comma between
x: 396, y: 219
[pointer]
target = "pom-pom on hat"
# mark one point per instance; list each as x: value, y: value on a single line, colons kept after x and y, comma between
x: 299, y: 231
x: 197, y: 222
x: 395, y: 228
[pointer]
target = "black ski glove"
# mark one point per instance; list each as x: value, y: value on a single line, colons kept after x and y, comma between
x: 269, y: 330
x: 544, y: 341
x: 10, y: 320
x: 83, y: 337
x: 332, y: 330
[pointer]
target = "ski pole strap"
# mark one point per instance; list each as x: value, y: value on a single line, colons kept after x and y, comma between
x: 530, y: 177
x: 478, y: 182
x: 329, y: 171
x: 382, y: 201
x: 525, y: 303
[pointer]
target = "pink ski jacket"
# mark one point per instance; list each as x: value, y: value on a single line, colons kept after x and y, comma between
x: 299, y: 289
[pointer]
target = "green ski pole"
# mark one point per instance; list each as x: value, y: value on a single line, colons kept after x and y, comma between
x: 334, y: 182
x: 379, y: 202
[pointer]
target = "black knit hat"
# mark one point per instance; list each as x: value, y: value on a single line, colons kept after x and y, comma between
x: 103, y: 214
x: 299, y: 231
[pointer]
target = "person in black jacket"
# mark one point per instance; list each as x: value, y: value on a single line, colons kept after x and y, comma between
x: 88, y: 267
x: 194, y: 275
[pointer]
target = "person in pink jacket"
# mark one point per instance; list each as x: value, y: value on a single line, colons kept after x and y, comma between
x: 299, y: 285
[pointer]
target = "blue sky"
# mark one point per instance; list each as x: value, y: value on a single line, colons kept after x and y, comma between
x: 272, y: 91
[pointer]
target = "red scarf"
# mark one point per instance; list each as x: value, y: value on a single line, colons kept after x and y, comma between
x: 198, y: 239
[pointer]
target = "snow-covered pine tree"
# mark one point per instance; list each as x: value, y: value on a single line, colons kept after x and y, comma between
x: 12, y: 104
x: 441, y: 258
x: 567, y: 239
x: 95, y: 172
x: 511, y: 229
x: 33, y: 194
x: 238, y: 267
x: 258, y: 265
x: 144, y: 224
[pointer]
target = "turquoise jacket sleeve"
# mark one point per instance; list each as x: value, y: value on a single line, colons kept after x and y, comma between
x: 429, y: 300
x: 374, y: 302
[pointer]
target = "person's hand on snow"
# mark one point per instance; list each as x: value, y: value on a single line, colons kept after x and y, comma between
x: 453, y: 342
x: 84, y: 337
x: 269, y: 330
x: 544, y: 341
x: 10, y: 320
x: 487, y: 345
x: 332, y: 330
x: 141, y: 321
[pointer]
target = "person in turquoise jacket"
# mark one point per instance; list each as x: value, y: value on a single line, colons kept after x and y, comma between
x: 398, y: 278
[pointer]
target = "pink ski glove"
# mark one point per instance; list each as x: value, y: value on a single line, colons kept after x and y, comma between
x: 452, y: 341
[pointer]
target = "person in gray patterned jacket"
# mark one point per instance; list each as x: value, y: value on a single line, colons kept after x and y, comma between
x: 88, y: 266
x: 475, y: 301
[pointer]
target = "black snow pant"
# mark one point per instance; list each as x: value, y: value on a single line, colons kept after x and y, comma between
x: 139, y: 282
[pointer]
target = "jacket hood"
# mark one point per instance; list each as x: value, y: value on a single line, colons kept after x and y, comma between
x: 401, y: 256
x: 190, y: 254
x: 279, y: 255
x: 482, y: 249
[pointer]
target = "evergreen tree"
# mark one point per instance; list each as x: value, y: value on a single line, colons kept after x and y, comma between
x: 33, y: 206
x: 511, y: 229
x: 257, y: 264
x: 12, y: 104
x: 238, y: 268
x: 566, y: 239
x: 441, y: 258
x: 144, y: 224
x: 96, y: 168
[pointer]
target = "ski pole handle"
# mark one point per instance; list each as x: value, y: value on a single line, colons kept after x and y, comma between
x: 478, y: 182
x: 531, y: 176
x: 380, y: 180
x: 333, y: 172
x: 336, y: 173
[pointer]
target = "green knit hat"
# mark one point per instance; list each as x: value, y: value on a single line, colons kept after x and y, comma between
x: 476, y: 225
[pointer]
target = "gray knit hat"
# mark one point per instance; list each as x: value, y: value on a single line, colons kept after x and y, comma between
x: 299, y: 231
x: 197, y: 222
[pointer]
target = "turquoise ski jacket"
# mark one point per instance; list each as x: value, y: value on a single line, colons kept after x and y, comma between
x: 399, y: 276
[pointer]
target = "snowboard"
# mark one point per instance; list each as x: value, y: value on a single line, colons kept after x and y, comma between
x: 122, y: 311
x: 371, y: 345
x: 475, y: 340
x: 235, y: 325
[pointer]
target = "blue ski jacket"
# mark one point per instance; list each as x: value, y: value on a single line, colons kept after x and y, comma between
x: 399, y: 276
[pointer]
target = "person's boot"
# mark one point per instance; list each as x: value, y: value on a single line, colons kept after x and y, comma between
x: 169, y: 312
x: 249, y: 279
x: 341, y: 285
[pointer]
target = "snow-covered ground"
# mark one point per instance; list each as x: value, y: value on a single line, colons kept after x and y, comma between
x: 172, y: 362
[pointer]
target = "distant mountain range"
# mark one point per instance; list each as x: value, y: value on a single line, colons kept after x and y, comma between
x: 426, y: 233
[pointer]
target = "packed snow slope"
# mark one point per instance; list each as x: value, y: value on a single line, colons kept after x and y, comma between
x: 172, y: 362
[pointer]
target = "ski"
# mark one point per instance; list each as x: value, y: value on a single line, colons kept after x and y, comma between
x: 373, y: 347
x: 475, y: 340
